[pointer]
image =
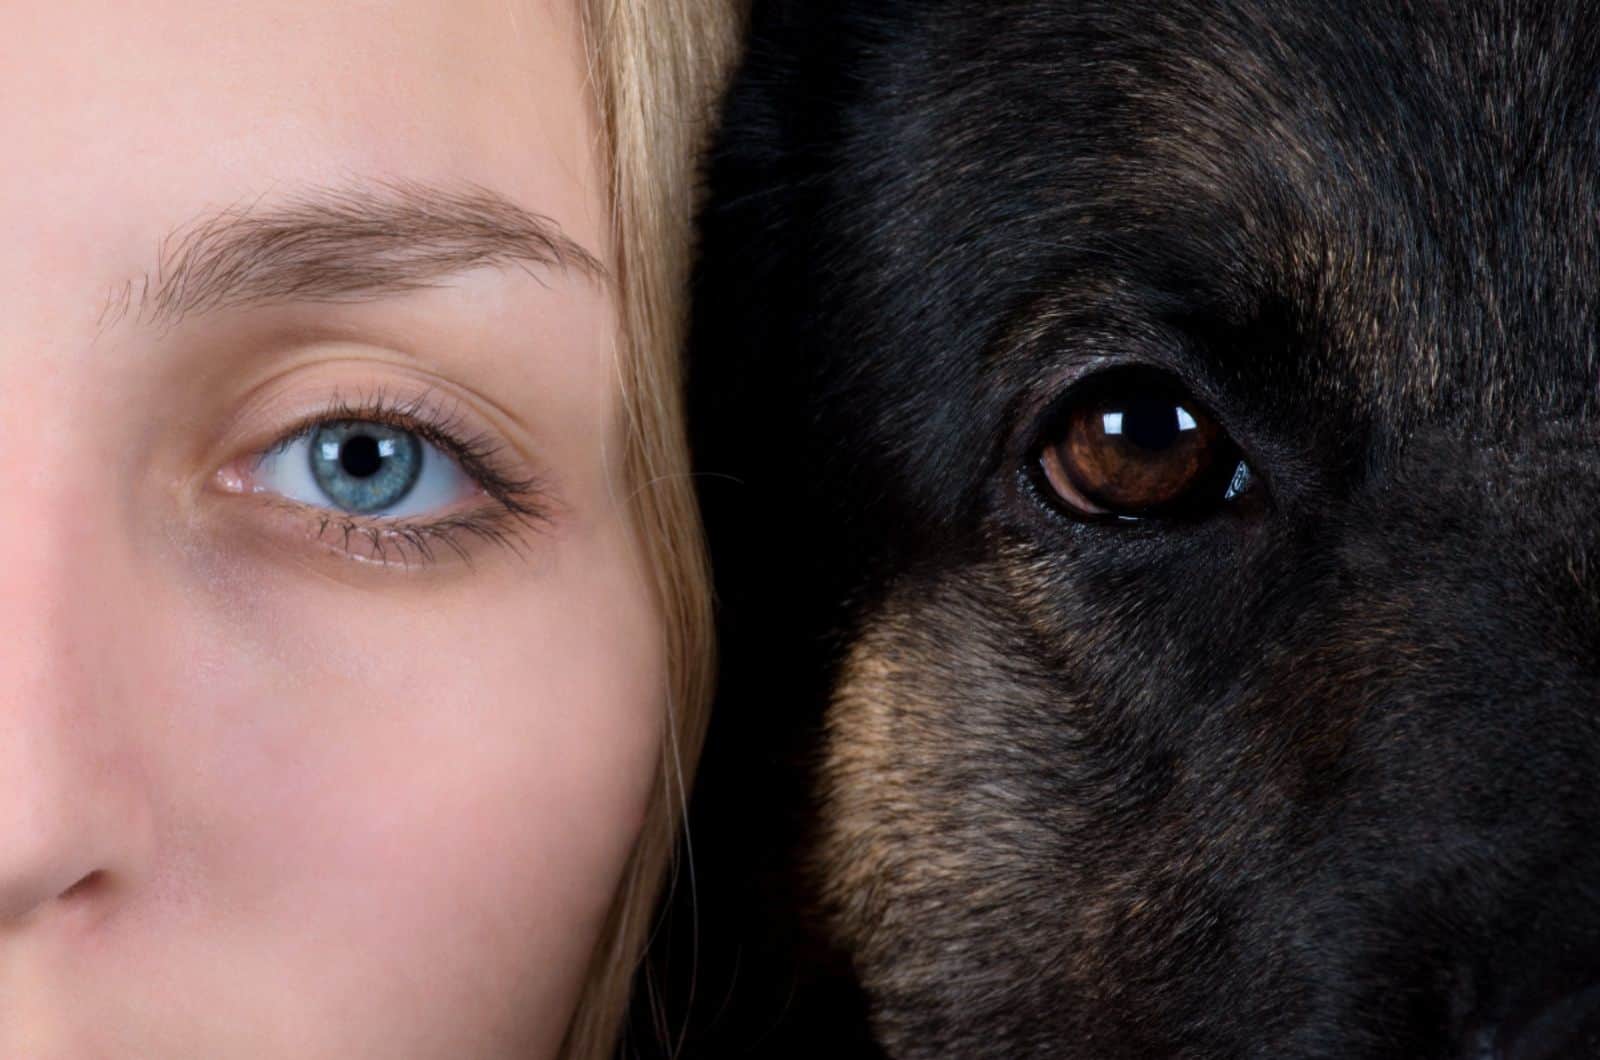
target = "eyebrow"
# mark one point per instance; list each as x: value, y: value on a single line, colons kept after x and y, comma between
x: 342, y: 245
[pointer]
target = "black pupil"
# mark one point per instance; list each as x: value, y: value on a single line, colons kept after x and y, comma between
x: 1150, y: 423
x: 359, y: 456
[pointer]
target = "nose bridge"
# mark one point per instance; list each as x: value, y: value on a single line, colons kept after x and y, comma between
x: 1468, y: 611
x: 1463, y: 697
x: 71, y: 803
x: 1516, y: 504
x: 1470, y: 603
x: 1538, y: 496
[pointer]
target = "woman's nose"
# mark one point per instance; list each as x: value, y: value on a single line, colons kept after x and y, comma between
x: 72, y: 810
x: 58, y: 827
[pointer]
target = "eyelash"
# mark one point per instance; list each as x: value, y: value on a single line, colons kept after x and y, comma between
x: 516, y: 501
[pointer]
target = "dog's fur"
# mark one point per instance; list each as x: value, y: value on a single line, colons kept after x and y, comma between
x: 1313, y: 777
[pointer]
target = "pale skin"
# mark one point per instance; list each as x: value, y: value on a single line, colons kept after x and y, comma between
x: 272, y: 783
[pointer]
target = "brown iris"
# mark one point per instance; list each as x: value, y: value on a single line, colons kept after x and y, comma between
x: 1136, y: 449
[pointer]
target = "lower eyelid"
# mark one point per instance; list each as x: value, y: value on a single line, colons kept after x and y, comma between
x: 456, y: 533
x: 459, y: 536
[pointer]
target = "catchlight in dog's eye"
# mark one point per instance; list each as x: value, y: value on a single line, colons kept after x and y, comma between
x: 1133, y: 447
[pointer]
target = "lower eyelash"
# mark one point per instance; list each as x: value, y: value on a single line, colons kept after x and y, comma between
x: 404, y: 543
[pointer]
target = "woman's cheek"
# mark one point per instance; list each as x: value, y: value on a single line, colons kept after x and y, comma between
x: 437, y: 781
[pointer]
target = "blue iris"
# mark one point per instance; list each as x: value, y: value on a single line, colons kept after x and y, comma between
x: 363, y: 466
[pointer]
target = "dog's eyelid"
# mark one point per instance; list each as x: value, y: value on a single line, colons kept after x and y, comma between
x: 1059, y: 361
x: 1048, y: 401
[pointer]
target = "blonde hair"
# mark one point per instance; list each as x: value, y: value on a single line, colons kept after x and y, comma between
x: 658, y: 67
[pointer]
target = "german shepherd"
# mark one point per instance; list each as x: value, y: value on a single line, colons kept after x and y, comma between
x: 1152, y: 458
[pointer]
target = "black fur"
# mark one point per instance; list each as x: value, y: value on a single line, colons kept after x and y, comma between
x: 1314, y: 777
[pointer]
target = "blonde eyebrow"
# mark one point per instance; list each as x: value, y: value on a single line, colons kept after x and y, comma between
x: 343, y: 245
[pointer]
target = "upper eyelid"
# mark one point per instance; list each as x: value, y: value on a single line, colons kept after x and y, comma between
x: 1039, y: 400
x: 379, y: 406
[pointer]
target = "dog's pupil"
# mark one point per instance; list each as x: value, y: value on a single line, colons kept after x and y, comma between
x: 1152, y: 423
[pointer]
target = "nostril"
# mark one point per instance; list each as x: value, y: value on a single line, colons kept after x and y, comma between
x: 1565, y: 1029
x: 86, y: 887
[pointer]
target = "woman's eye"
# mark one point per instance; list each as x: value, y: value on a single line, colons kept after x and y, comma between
x: 363, y: 468
x: 1137, y: 448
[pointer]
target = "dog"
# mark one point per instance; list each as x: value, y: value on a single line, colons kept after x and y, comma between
x: 1151, y: 453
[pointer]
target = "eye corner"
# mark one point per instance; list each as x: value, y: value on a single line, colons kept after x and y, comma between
x: 230, y: 478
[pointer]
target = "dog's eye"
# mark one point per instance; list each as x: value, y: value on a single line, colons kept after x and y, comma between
x: 1134, y: 447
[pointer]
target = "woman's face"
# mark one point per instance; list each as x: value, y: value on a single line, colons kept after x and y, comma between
x: 331, y: 682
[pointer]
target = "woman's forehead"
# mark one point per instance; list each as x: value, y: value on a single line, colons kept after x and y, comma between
x: 125, y: 122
